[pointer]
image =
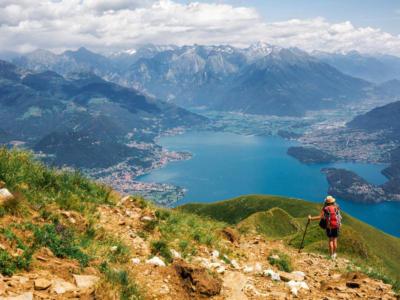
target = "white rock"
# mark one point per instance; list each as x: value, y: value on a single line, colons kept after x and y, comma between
x: 294, y: 290
x: 124, y: 199
x: 5, y: 195
x: 60, y: 286
x: 175, y: 253
x: 214, y: 265
x: 146, y: 219
x: 235, y: 264
x: 215, y: 254
x: 258, y: 267
x: 25, y: 296
x: 23, y: 279
x: 113, y: 248
x: 85, y: 281
x: 221, y: 270
x: 164, y: 290
x: 296, y: 286
x: 275, y: 256
x: 298, y: 275
x: 204, y: 262
x: 135, y: 260
x: 155, y: 261
x: 272, y: 274
x: 248, y: 269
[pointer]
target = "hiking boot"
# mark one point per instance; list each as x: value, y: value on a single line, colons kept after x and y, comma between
x: 333, y: 255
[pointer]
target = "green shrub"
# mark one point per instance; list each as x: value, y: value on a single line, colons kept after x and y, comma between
x: 121, y: 255
x: 122, y: 279
x: 162, y: 214
x: 161, y: 248
x: 61, y: 240
x: 283, y: 263
x: 9, y: 264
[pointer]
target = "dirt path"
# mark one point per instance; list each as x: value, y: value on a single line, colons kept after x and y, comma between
x: 235, y: 281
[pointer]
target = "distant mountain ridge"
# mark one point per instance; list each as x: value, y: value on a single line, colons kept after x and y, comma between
x: 260, y: 79
x: 376, y: 68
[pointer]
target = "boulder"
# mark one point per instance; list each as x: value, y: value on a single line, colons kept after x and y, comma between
x: 60, y: 286
x: 175, y: 254
x: 123, y: 200
x: 164, y: 290
x: 155, y: 261
x: 295, y: 276
x: 5, y: 195
x: 295, y: 286
x: 258, y: 268
x: 248, y: 269
x: 197, y: 280
x: 85, y: 281
x: 135, y: 261
x: 235, y: 264
x: 41, y: 284
x: 272, y: 274
x: 3, y: 287
x: 298, y: 275
x: 25, y: 296
x: 215, y: 254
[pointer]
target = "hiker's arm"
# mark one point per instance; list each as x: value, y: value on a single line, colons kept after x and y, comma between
x: 316, y: 218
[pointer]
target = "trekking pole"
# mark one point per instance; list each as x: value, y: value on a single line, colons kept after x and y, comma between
x: 304, y: 235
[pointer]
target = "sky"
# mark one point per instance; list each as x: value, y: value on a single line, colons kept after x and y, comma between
x: 368, y: 26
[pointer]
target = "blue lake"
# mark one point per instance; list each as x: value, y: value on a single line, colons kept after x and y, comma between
x: 227, y: 165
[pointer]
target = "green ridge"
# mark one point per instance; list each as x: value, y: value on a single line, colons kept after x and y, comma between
x: 272, y: 223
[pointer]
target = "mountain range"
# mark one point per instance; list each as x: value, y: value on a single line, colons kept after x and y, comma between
x: 80, y: 119
x: 376, y: 68
x: 260, y: 79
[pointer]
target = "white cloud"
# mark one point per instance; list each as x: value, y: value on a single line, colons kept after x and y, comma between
x: 105, y: 25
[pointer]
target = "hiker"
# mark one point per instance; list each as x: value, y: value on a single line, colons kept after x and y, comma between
x: 331, y: 213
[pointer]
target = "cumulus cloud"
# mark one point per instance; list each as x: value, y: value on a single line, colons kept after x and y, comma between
x: 105, y: 25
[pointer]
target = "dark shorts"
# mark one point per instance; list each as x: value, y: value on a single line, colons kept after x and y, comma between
x: 332, y: 233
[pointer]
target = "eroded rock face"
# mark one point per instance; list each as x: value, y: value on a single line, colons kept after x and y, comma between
x: 230, y: 234
x: 197, y: 280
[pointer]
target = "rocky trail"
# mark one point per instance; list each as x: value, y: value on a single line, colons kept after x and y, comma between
x: 246, y: 273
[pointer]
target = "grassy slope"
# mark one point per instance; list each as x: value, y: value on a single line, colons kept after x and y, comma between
x: 358, y: 239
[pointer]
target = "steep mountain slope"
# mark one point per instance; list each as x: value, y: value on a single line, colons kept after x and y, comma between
x: 289, y: 82
x: 375, y: 68
x: 383, y: 118
x: 63, y: 236
x: 84, y: 114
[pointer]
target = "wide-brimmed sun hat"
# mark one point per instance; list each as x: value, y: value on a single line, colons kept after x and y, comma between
x: 329, y: 200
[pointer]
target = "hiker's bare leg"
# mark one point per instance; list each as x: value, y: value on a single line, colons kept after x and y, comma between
x: 334, y: 245
x: 331, y: 246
